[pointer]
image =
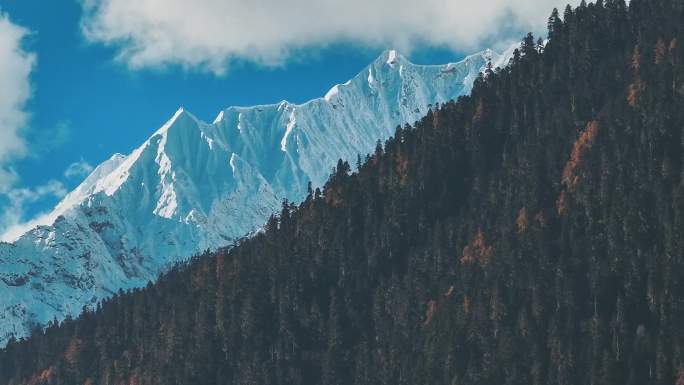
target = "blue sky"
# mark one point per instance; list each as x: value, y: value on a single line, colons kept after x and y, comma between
x: 100, y: 84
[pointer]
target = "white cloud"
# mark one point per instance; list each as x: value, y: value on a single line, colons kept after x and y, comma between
x: 16, y: 65
x: 208, y: 34
x: 13, y: 222
x: 78, y: 169
x: 7, y: 179
x: 12, y: 219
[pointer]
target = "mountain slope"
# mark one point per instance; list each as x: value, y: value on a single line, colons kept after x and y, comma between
x: 193, y: 186
x: 531, y: 233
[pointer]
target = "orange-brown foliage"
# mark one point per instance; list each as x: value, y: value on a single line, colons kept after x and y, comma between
x: 402, y: 168
x: 73, y: 351
x: 431, y: 309
x: 561, y: 203
x: 522, y: 222
x: 47, y: 376
x: 467, y: 256
x: 579, y: 151
x: 466, y: 304
x: 635, y: 89
x: 484, y: 251
x: 477, y: 250
x: 660, y: 50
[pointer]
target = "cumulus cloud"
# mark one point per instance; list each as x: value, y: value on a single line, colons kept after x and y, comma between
x: 209, y: 34
x: 78, y: 169
x: 12, y: 219
x: 16, y: 65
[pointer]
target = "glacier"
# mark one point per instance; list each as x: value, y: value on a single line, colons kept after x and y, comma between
x: 194, y: 186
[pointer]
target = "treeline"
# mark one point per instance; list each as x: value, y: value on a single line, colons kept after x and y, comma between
x: 531, y: 233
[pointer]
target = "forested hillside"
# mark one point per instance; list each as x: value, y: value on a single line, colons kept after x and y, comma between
x: 531, y: 233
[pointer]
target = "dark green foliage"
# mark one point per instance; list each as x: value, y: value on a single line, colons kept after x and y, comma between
x: 531, y: 233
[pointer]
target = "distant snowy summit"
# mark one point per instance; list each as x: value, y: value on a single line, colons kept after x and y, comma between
x: 194, y: 186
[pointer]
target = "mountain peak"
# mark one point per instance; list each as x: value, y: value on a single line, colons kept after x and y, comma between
x: 391, y: 57
x: 194, y: 186
x: 117, y: 155
x: 218, y: 118
x: 180, y: 115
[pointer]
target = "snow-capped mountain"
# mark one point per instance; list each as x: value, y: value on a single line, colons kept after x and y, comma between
x: 194, y: 185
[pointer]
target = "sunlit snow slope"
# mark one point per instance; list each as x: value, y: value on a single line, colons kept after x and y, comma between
x: 194, y: 185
